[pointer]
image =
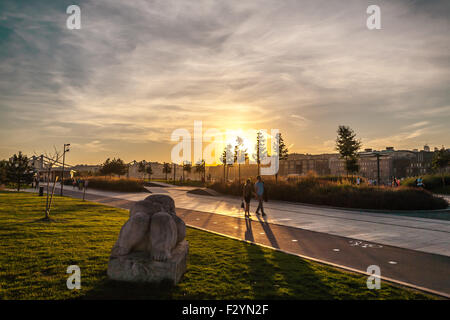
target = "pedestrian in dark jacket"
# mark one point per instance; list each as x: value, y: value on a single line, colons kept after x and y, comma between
x: 247, y: 196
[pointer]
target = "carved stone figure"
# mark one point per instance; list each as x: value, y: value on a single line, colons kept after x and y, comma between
x: 151, y: 245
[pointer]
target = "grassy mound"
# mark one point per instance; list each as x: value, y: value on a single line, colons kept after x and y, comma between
x: 325, y: 192
x: 34, y: 256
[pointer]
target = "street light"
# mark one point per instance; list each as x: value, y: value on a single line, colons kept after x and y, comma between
x: 66, y: 149
x: 378, y: 155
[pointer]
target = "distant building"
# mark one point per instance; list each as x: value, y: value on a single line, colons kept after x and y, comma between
x: 302, y: 164
x: 85, y: 169
x: 392, y: 163
x: 421, y: 164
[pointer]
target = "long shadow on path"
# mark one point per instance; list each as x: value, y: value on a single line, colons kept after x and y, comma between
x: 275, y: 275
x: 270, y: 236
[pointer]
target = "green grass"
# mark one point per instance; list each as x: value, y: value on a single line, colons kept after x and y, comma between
x: 34, y: 256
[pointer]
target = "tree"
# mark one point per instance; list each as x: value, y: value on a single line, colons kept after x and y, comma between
x: 240, y: 154
x: 166, y: 169
x: 187, y: 166
x: 351, y: 165
x: 132, y: 163
x: 149, y: 171
x: 3, y: 172
x: 19, y: 170
x: 347, y: 145
x: 223, y: 159
x: 141, y: 168
x: 115, y: 166
x: 145, y: 168
x: 441, y: 160
x: 227, y: 160
x: 283, y: 151
x: 260, y: 150
x: 51, y: 160
x: 200, y: 168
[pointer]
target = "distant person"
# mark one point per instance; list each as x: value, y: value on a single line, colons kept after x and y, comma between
x: 247, y: 196
x: 259, y: 190
x: 358, y: 181
x: 420, y: 182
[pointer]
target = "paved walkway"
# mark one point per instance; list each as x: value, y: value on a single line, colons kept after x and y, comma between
x: 421, y: 234
x: 423, y: 270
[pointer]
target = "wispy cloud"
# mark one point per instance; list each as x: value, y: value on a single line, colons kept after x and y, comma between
x: 417, y: 125
x: 138, y: 69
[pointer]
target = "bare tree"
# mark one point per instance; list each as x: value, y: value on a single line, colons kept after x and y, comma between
x: 51, y: 160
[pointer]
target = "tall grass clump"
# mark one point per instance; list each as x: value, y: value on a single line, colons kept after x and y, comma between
x: 432, y: 182
x: 313, y: 190
x: 116, y: 184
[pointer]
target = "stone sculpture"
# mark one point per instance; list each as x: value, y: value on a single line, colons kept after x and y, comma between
x: 151, y: 245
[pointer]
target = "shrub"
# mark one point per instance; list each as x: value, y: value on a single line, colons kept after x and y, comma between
x: 323, y: 192
x: 113, y: 184
x: 187, y: 182
x: 431, y: 181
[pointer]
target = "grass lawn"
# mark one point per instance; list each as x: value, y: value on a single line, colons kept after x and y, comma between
x: 34, y: 256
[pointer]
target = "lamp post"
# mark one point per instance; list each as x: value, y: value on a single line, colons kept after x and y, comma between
x: 377, y: 155
x: 66, y: 149
x: 378, y: 169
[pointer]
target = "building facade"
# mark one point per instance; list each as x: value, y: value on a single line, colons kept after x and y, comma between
x: 389, y: 163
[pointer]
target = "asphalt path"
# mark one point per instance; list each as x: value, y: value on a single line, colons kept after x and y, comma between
x: 421, y: 270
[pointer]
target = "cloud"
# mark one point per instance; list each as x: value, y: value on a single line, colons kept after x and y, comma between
x: 417, y: 125
x: 296, y: 116
x: 92, y: 146
x: 137, y: 70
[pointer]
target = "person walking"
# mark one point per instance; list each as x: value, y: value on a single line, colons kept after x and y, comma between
x: 247, y: 196
x: 420, y: 182
x: 259, y: 190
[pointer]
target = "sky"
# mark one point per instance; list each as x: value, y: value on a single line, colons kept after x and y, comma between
x: 138, y: 70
